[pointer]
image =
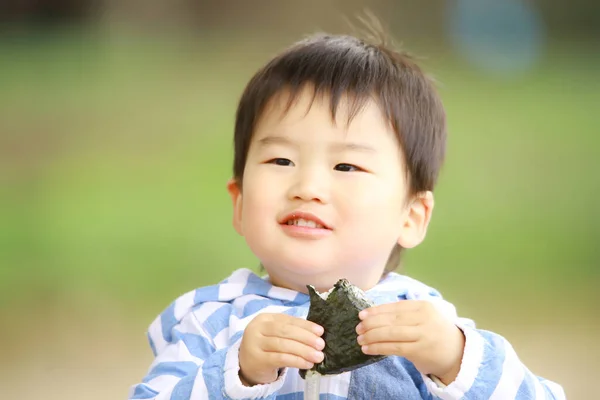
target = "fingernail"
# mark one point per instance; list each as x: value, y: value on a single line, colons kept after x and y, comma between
x: 320, y: 344
x: 362, y: 314
x: 359, y: 328
x: 360, y: 339
x: 365, y: 349
x: 318, y: 329
x: 318, y: 356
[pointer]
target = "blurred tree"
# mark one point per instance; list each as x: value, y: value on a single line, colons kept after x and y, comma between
x: 573, y: 18
x: 44, y: 12
x: 411, y: 18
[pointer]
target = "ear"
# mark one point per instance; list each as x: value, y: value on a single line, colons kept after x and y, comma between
x: 414, y: 226
x: 235, y: 192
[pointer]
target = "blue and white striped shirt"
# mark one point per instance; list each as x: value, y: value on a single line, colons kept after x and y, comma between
x: 196, y: 341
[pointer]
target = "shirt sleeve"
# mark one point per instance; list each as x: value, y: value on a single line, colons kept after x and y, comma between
x: 490, y: 368
x: 189, y: 365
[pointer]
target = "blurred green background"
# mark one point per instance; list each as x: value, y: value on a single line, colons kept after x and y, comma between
x: 116, y: 123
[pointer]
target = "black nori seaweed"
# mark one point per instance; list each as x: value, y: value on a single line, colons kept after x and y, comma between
x: 338, y: 315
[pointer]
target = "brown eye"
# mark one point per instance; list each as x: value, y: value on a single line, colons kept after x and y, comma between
x: 284, y: 162
x: 347, y: 168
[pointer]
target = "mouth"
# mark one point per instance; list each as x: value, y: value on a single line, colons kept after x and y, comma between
x: 304, y: 220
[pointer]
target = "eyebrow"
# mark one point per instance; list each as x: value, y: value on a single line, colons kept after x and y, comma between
x: 337, y: 146
x: 353, y: 147
x: 270, y: 140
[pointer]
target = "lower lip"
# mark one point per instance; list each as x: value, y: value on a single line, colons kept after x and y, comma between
x: 305, y: 232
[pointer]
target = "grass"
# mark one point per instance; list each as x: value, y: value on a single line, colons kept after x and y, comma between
x: 117, y: 153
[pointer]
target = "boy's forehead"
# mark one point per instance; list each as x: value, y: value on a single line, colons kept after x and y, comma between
x: 286, y: 110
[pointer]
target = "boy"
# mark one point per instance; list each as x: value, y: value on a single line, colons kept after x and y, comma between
x: 338, y: 145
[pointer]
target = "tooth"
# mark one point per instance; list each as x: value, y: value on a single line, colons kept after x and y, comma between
x: 304, y: 223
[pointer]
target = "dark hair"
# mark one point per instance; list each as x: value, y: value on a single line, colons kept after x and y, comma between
x: 345, y: 66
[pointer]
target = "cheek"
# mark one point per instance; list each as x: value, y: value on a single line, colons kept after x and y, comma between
x: 371, y: 192
x: 260, y: 201
x: 374, y: 205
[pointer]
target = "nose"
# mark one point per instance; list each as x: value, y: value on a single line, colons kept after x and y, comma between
x: 310, y: 184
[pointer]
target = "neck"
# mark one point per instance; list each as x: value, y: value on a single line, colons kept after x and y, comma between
x: 322, y: 283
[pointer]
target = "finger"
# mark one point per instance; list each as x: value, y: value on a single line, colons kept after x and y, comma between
x: 395, y: 307
x: 296, y: 332
x: 292, y: 347
x: 281, y: 319
x: 268, y: 318
x: 390, y: 334
x: 283, y: 360
x: 389, y: 319
x: 401, y: 349
x: 307, y: 325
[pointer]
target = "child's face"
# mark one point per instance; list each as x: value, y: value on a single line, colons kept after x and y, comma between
x: 350, y: 178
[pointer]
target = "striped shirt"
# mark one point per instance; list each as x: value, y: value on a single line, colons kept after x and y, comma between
x: 196, y: 341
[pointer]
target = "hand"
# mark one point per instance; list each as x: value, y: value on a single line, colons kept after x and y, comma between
x: 275, y: 341
x: 416, y: 331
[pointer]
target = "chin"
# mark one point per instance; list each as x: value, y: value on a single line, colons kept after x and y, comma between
x: 308, y: 270
x: 305, y: 269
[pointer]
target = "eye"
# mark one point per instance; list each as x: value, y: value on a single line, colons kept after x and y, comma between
x: 347, y: 168
x: 284, y: 162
